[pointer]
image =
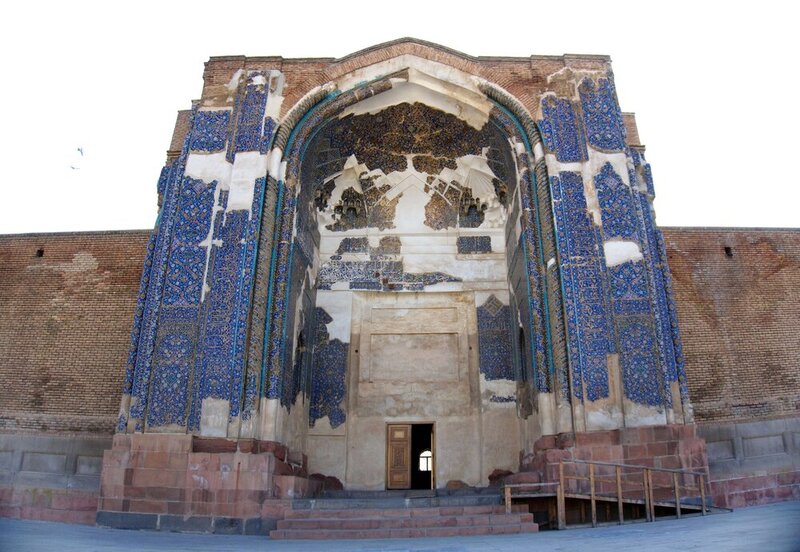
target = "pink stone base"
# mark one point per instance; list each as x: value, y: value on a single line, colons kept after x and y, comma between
x: 211, y: 478
x: 63, y: 505
x: 752, y: 490
x: 668, y: 446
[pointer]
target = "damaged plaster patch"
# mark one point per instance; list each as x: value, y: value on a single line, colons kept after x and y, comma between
x: 618, y: 252
x: 499, y: 392
x: 209, y: 167
x: 448, y: 100
x: 564, y: 82
x: 589, y: 170
x: 214, y: 417
x: 275, y: 98
x: 340, y: 308
x: 274, y: 163
x: 247, y: 166
x: 431, y: 74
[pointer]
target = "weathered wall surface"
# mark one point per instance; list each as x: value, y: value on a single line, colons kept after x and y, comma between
x: 66, y: 308
x: 738, y: 298
x: 738, y: 305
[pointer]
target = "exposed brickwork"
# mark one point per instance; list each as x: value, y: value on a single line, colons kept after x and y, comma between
x: 738, y: 319
x: 523, y: 77
x: 65, y: 319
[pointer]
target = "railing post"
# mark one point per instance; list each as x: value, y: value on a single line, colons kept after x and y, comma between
x: 561, y: 510
x: 703, y: 494
x: 618, y: 471
x: 677, y: 490
x: 561, y: 476
x: 650, y: 492
x: 507, y: 493
x: 591, y: 495
x: 646, y: 490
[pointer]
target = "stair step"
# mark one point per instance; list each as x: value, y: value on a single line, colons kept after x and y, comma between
x: 380, y: 501
x: 401, y: 512
x: 387, y: 533
x: 405, y: 523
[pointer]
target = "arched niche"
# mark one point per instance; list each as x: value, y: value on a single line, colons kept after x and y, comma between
x: 361, y: 183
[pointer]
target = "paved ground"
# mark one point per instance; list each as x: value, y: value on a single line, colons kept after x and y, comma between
x: 773, y: 528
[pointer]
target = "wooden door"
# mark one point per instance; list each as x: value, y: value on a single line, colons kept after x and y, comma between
x: 398, y: 456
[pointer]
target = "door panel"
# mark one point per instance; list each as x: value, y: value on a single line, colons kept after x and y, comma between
x: 398, y: 456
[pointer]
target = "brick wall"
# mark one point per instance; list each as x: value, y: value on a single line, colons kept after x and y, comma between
x: 738, y: 313
x: 65, y: 320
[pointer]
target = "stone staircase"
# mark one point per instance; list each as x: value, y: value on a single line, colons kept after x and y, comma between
x: 387, y: 515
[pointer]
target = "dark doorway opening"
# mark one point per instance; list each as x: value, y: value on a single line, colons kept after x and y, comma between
x: 422, y: 460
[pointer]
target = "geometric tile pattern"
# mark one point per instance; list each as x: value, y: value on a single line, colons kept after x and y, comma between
x: 617, y: 210
x: 605, y: 128
x: 143, y: 339
x: 244, y: 306
x: 210, y: 131
x: 215, y: 377
x: 251, y: 119
x: 526, y: 257
x: 474, y: 244
x: 494, y: 340
x: 585, y: 297
x: 377, y: 274
x: 629, y: 288
x: 562, y: 132
x: 184, y: 350
x: 329, y: 367
x: 640, y: 375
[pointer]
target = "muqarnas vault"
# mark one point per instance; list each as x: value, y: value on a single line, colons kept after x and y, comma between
x: 405, y: 236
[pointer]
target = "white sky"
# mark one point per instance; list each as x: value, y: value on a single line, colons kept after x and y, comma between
x: 714, y: 86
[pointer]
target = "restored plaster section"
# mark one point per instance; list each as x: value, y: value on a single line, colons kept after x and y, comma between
x: 620, y: 251
x: 442, y: 79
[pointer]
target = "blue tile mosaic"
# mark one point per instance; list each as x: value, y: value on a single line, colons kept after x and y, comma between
x: 474, y: 244
x: 168, y: 400
x: 185, y: 275
x: 279, y: 295
x: 494, y: 340
x: 244, y: 304
x: 216, y: 377
x: 616, y: 205
x: 353, y: 245
x: 210, y: 131
x: 163, y: 178
x: 141, y: 373
x: 249, y: 127
x: 328, y: 373
x: 377, y: 274
x: 640, y: 377
x: 584, y: 293
x: 605, y: 128
x: 267, y: 134
x: 562, y: 132
x: 629, y: 288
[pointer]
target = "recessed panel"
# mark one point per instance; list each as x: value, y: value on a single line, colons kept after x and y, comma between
x: 410, y: 358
